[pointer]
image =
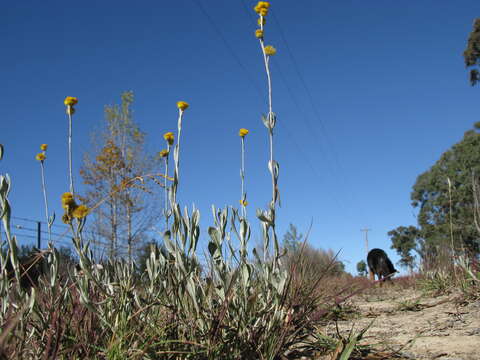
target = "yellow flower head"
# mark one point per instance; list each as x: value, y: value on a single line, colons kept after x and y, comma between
x: 70, y: 101
x: 261, y: 21
x: 182, y: 105
x: 40, y: 157
x: 67, y: 200
x: 270, y: 50
x: 259, y: 33
x: 169, y: 137
x: 242, y: 132
x: 80, y: 212
x: 261, y: 5
x: 264, y: 4
x: 43, y: 147
x: 243, y: 202
x: 163, y: 153
x: 263, y: 11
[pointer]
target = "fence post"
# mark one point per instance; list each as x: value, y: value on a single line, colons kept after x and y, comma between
x: 39, y: 235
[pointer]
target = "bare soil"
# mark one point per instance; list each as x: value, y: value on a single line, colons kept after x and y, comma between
x: 407, y: 324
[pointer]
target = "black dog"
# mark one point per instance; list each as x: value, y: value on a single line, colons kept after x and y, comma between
x: 379, y: 264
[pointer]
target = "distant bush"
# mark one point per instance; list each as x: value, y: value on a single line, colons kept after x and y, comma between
x: 311, y: 262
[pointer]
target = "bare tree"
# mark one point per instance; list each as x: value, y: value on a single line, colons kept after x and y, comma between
x: 118, y: 176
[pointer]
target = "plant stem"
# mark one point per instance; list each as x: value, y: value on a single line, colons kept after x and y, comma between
x: 176, y: 157
x: 44, y: 188
x: 451, y: 224
x: 165, y: 185
x: 69, y: 111
x: 272, y: 167
x: 270, y: 112
x: 242, y: 175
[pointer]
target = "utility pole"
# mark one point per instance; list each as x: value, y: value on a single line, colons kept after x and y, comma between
x: 366, y: 240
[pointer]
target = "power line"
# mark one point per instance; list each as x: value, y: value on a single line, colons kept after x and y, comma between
x: 316, y: 113
x: 307, y: 91
x: 228, y: 46
x: 300, y: 150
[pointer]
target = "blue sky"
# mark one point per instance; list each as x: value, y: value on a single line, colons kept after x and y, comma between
x: 368, y: 95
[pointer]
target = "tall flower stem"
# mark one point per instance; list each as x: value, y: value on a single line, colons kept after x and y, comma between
x: 70, y: 162
x: 268, y: 217
x: 69, y: 102
x: 44, y: 188
x: 166, y: 187
x: 242, y: 176
x: 176, y: 159
x: 182, y: 106
x: 266, y: 60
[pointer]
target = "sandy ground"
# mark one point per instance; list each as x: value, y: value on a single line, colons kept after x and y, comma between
x: 411, y: 325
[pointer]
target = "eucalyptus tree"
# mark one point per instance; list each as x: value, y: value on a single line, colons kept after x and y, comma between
x: 472, y: 52
x: 405, y: 239
x: 447, y: 202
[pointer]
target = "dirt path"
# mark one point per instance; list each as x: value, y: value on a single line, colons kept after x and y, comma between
x: 415, y: 326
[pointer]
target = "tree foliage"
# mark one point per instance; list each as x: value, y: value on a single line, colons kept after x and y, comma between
x: 362, y: 268
x: 404, y: 240
x: 292, y: 240
x: 445, y: 197
x: 472, y: 52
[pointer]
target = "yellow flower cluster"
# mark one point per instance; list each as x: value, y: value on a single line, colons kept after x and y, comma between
x: 262, y: 8
x: 270, y: 50
x: 242, y: 132
x: 169, y: 137
x: 72, y: 210
x: 41, y: 156
x: 163, y: 153
x: 69, y: 102
x: 67, y: 200
x: 80, y: 212
x: 182, y: 105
